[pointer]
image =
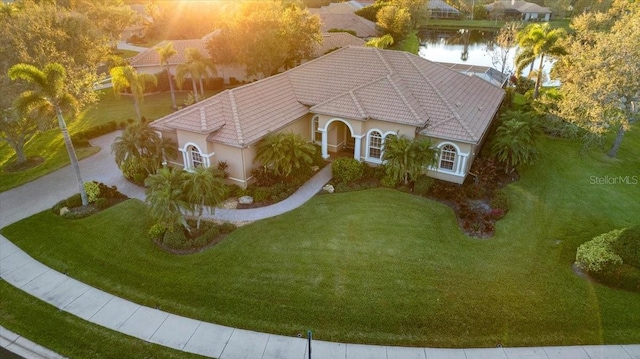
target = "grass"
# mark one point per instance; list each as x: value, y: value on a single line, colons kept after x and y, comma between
x: 68, y: 335
x: 357, y: 271
x: 50, y: 146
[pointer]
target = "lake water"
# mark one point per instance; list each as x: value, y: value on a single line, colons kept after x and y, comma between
x: 465, y: 46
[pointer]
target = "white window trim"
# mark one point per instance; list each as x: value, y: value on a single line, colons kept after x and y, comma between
x: 459, y: 164
x: 315, y: 130
x: 384, y: 135
x: 188, y: 160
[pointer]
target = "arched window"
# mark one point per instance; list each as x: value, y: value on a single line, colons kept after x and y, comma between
x: 195, y: 157
x: 448, y: 155
x: 375, y: 144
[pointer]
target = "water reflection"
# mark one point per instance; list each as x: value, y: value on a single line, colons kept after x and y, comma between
x: 465, y: 46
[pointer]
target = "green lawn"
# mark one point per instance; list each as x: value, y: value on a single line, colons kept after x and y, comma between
x: 68, y: 335
x: 50, y: 146
x: 380, y: 266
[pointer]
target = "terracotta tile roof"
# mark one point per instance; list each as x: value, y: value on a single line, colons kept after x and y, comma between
x: 150, y: 56
x: 358, y: 83
x: 342, y: 16
x: 336, y: 40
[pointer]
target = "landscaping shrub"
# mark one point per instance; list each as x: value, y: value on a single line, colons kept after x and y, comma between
x: 157, y: 231
x: 110, y: 192
x: 422, y: 185
x: 523, y: 84
x: 209, y: 235
x: 93, y: 191
x: 374, y: 172
x: 227, y: 227
x: 627, y: 246
x: 598, y: 253
x: 175, y: 239
x: 622, y: 276
x: 388, y: 182
x: 263, y: 177
x: 500, y: 200
x: 497, y: 213
x: 80, y: 213
x: 347, y: 170
x: 260, y: 194
x: 101, y: 203
x: 341, y: 187
x: 316, y: 158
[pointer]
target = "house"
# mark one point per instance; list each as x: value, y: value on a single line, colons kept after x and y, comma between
x: 439, y: 9
x: 518, y: 10
x: 342, y: 16
x: 148, y: 61
x: 351, y: 99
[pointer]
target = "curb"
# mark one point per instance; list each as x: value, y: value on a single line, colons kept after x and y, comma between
x: 24, y: 347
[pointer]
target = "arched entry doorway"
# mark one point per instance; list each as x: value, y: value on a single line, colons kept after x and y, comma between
x: 338, y: 139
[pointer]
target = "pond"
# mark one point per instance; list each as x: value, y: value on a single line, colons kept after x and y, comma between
x: 465, y: 46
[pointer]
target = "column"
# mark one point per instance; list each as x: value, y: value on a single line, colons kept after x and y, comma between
x: 356, y: 147
x: 325, y: 152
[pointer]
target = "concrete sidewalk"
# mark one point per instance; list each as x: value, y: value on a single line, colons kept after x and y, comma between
x: 190, y: 335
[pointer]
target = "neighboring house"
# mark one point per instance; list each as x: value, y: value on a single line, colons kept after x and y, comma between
x: 138, y: 27
x: 519, y: 10
x: 148, y: 61
x: 351, y: 99
x: 441, y: 10
x: 342, y: 16
x: 438, y: 9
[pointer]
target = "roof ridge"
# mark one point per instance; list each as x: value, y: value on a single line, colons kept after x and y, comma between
x: 203, y: 119
x: 236, y: 118
x: 384, y: 61
x: 437, y: 91
x: 403, y: 98
x: 357, y: 103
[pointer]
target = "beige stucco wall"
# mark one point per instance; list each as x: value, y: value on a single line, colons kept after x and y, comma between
x: 464, y: 149
x: 226, y: 71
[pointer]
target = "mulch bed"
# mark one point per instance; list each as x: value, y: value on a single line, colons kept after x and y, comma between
x: 218, y: 239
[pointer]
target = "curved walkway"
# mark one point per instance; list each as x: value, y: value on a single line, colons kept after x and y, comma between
x: 94, y: 305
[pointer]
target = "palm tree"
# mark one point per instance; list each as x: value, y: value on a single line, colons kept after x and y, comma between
x: 406, y: 158
x: 284, y: 153
x: 165, y: 52
x: 123, y: 77
x: 196, y: 66
x: 166, y: 198
x: 538, y: 40
x: 513, y: 142
x: 49, y: 96
x: 191, y: 70
x: 140, y: 148
x: 203, y: 63
x: 203, y: 187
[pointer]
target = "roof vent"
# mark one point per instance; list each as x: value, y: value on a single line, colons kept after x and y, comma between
x: 479, y: 108
x: 458, y: 104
